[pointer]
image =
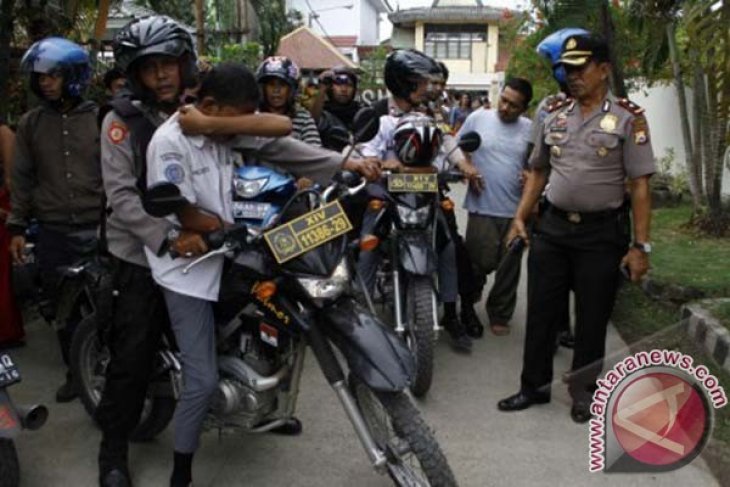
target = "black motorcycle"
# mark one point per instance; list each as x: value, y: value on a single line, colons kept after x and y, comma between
x: 13, y: 419
x: 294, y: 280
x: 403, y: 224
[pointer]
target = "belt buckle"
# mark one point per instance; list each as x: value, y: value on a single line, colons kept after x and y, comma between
x: 573, y: 217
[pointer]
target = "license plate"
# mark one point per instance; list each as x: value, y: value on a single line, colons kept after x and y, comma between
x: 9, y: 374
x: 308, y: 232
x: 413, y: 183
x: 252, y: 210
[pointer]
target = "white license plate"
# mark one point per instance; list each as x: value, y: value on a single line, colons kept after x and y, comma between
x: 250, y: 209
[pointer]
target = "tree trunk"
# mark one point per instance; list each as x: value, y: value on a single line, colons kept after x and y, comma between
x: 99, y: 27
x: 608, y: 30
x: 6, y: 35
x: 694, y: 183
x: 200, y: 25
x: 698, y: 120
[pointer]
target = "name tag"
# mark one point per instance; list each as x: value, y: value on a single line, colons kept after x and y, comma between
x: 413, y: 183
x: 307, y: 232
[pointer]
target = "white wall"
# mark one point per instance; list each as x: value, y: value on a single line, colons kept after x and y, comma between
x: 361, y: 20
x: 662, y: 113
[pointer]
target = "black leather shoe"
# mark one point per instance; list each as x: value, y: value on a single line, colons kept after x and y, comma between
x: 116, y: 477
x: 67, y: 392
x: 522, y: 400
x: 473, y: 326
x: 580, y: 412
x: 292, y: 427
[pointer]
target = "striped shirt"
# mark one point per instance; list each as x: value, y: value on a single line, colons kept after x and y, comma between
x: 304, y: 128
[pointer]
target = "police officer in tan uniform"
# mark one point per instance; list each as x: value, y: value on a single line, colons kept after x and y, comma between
x: 590, y: 145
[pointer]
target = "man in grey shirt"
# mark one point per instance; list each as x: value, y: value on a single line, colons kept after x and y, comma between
x: 492, y: 200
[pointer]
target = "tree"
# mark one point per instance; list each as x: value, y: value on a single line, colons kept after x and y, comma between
x: 274, y: 23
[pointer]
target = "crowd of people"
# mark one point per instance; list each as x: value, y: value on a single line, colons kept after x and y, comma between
x: 572, y: 182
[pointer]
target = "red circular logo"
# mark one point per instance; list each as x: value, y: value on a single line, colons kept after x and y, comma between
x: 660, y: 419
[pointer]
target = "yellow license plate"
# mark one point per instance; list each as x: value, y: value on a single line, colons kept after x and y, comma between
x: 413, y: 183
x: 307, y: 232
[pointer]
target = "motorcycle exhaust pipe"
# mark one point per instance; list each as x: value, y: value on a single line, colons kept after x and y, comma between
x: 33, y: 417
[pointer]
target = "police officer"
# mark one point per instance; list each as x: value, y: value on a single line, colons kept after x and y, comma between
x: 591, y: 144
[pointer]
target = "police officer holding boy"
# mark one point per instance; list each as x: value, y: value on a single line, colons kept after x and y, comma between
x: 591, y: 144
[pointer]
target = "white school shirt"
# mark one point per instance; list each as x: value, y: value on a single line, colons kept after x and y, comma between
x: 203, y: 170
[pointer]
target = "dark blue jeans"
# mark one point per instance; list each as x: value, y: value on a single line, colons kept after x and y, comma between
x: 59, y: 247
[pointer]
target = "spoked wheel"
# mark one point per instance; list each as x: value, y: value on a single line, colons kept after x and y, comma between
x: 420, y: 335
x: 413, y: 454
x: 90, y: 359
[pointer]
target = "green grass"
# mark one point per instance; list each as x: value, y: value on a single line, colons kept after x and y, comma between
x: 682, y: 256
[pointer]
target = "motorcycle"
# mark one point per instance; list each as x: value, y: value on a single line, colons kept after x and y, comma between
x: 13, y: 419
x: 260, y: 194
x: 403, y: 224
x: 295, y: 277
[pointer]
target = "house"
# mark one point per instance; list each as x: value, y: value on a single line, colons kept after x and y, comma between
x: 464, y: 34
x: 350, y: 25
x: 310, y: 51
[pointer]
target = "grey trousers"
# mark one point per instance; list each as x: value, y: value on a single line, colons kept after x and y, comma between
x: 485, y: 242
x: 194, y: 327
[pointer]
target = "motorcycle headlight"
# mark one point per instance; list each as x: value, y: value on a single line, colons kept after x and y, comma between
x: 249, y: 188
x: 418, y: 216
x: 327, y: 287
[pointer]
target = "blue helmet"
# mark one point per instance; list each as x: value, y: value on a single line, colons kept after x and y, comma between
x: 552, y: 46
x: 58, y: 55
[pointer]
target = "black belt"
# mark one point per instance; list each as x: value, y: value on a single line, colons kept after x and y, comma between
x: 583, y: 216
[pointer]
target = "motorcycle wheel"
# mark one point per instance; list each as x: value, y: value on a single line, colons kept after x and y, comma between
x: 89, y: 361
x: 9, y: 466
x: 414, y: 457
x: 420, y: 336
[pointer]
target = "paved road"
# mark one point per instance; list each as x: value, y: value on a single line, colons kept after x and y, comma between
x: 539, y: 446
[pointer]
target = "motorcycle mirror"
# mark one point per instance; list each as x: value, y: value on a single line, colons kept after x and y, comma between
x: 339, y: 135
x: 469, y: 142
x: 163, y: 199
x: 366, y: 123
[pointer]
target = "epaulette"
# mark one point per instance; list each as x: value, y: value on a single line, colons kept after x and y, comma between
x: 559, y: 104
x: 630, y: 106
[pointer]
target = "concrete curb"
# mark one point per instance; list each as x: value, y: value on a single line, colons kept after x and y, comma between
x: 707, y: 331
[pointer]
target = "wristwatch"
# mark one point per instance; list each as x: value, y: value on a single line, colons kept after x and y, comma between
x: 643, y: 246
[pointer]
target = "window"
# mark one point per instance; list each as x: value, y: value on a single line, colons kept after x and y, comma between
x: 453, y: 41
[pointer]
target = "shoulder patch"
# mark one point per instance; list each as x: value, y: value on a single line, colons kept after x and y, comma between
x: 630, y: 106
x: 117, y: 132
x: 640, y: 130
x: 559, y: 104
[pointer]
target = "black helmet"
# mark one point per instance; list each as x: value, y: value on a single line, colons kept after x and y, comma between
x: 405, y: 67
x: 155, y: 34
x: 279, y: 67
x: 416, y: 140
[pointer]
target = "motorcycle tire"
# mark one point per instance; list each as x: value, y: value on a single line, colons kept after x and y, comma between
x: 9, y: 466
x: 420, y: 335
x: 414, y: 457
x: 89, y: 360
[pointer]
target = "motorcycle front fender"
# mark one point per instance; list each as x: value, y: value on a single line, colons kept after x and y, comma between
x: 10, y: 423
x: 374, y: 353
x: 416, y: 255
